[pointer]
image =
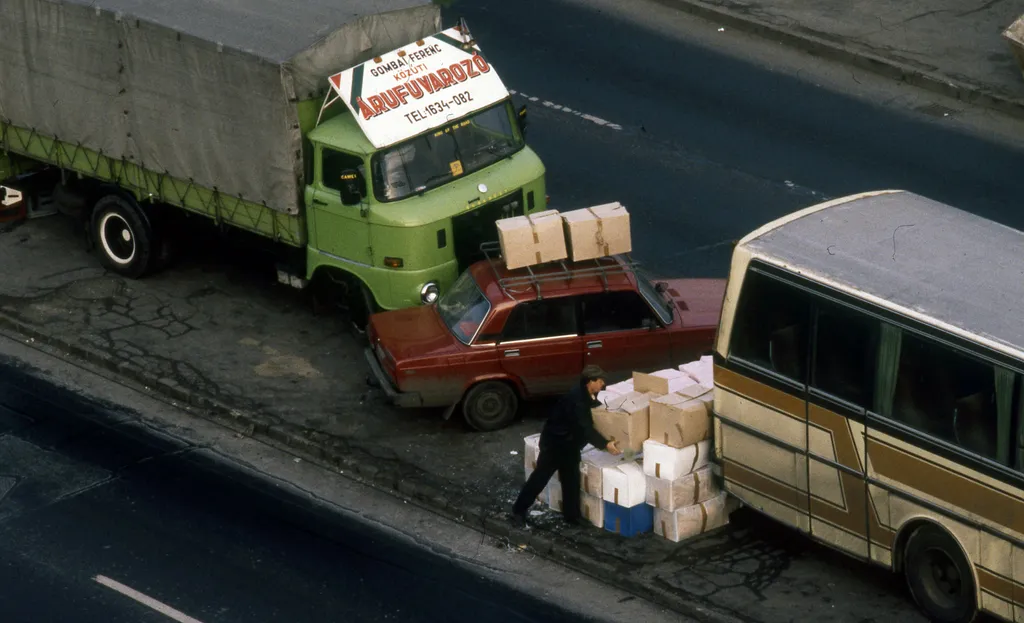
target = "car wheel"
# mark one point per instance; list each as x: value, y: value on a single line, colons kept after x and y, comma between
x: 939, y: 576
x: 489, y: 406
x: 123, y: 238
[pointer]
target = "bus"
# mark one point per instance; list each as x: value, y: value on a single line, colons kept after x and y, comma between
x: 868, y: 392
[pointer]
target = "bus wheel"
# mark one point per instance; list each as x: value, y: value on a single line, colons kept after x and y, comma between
x: 489, y: 406
x: 939, y: 576
x: 123, y: 238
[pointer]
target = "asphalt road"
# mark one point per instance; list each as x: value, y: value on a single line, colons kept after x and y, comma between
x: 712, y: 146
x: 98, y: 516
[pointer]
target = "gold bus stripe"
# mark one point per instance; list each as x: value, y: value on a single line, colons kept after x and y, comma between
x: 759, y: 392
x: 997, y: 585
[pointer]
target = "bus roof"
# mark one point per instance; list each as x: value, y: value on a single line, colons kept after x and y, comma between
x: 912, y: 254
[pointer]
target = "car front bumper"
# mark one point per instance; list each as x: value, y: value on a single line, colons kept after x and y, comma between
x: 380, y: 379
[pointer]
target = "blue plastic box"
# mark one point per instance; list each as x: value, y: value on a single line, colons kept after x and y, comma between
x: 628, y: 521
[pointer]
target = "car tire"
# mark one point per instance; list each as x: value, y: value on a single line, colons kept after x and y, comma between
x: 123, y: 238
x: 490, y: 406
x: 939, y: 576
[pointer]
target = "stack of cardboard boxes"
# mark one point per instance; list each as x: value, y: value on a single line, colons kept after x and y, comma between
x: 664, y: 418
x: 551, y: 236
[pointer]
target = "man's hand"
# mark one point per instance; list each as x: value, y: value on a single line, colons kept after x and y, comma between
x: 612, y: 448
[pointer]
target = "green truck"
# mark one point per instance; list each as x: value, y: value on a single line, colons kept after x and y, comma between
x: 373, y: 148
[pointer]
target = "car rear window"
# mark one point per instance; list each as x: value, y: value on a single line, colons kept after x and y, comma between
x: 463, y: 308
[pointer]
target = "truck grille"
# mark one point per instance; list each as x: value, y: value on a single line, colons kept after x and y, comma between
x: 472, y: 228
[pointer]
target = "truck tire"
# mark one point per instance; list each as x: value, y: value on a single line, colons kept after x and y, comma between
x: 490, y: 406
x: 939, y: 576
x: 123, y: 238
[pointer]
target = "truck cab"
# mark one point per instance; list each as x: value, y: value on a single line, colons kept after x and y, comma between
x: 408, y: 218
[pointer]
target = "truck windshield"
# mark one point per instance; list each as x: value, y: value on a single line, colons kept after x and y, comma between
x: 463, y: 308
x: 446, y: 153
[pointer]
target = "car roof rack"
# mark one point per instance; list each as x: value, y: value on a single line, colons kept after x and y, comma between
x: 600, y: 267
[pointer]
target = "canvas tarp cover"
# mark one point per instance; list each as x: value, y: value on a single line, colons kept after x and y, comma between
x: 198, y: 89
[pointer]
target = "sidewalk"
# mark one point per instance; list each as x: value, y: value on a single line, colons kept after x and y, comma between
x: 950, y: 47
x: 251, y: 356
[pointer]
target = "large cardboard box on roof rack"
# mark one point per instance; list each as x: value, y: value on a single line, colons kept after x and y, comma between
x: 1014, y: 34
x: 531, y: 239
x: 598, y: 231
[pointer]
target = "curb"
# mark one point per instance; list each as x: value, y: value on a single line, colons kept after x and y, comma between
x: 818, y: 44
x: 336, y: 453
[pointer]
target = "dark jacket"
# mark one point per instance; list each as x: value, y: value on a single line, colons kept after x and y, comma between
x: 571, y: 422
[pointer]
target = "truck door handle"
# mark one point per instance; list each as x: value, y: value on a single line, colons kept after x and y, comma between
x: 319, y: 203
x: 512, y: 353
x: 594, y: 344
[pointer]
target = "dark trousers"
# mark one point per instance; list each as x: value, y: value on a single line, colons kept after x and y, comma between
x: 560, y: 457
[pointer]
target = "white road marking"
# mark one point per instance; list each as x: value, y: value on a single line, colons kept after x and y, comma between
x: 591, y: 118
x: 145, y: 600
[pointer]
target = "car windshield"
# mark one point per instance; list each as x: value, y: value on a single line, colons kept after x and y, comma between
x: 446, y: 153
x: 463, y: 308
x: 658, y: 301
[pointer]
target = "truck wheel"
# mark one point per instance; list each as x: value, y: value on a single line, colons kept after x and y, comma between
x: 489, y: 406
x: 123, y: 239
x: 939, y: 576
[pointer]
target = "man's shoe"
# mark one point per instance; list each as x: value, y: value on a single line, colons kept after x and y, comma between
x: 518, y: 521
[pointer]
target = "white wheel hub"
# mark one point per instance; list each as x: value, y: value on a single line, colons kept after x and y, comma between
x: 117, y: 238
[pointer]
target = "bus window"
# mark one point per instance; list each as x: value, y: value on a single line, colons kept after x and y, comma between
x: 954, y: 397
x: 846, y: 354
x: 772, y: 326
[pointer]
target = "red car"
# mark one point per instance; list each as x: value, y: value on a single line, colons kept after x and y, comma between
x: 499, y: 336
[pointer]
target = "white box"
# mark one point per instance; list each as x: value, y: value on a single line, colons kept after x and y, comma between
x: 591, y: 465
x: 662, y: 382
x: 531, y: 451
x: 592, y: 509
x: 666, y: 462
x: 554, y: 495
x: 702, y: 371
x: 688, y: 490
x: 624, y: 485
x: 623, y: 387
x: 693, y: 520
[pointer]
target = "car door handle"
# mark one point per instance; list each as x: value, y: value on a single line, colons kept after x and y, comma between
x: 319, y: 203
x: 512, y: 353
x: 594, y: 344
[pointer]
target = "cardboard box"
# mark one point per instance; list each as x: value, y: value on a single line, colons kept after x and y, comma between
x: 598, y: 231
x: 591, y: 466
x: 688, y: 490
x: 622, y: 387
x: 628, y: 521
x: 666, y: 462
x: 624, y: 485
x: 532, y: 239
x: 702, y: 371
x: 690, y: 521
x: 627, y: 430
x: 662, y: 382
x: 678, y: 421
x: 554, y: 495
x: 592, y: 509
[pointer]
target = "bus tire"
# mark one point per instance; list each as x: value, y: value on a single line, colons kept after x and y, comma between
x: 122, y: 236
x: 490, y: 406
x: 939, y: 576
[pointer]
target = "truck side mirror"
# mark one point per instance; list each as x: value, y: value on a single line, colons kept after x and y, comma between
x: 353, y: 187
x: 522, y: 120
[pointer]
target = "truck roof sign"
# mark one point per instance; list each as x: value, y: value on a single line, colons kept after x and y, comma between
x: 418, y: 87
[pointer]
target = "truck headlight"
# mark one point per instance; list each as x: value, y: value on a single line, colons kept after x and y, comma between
x: 429, y: 292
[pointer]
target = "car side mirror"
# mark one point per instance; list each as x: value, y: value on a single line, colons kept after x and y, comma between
x: 353, y: 187
x: 523, y: 122
x: 660, y: 287
x: 649, y: 324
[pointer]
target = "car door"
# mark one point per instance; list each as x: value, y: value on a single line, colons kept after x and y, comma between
x: 540, y: 344
x: 339, y: 230
x: 622, y: 335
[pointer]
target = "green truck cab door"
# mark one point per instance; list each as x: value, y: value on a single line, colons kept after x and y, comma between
x: 340, y: 231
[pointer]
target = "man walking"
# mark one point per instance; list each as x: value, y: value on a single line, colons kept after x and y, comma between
x: 569, y: 428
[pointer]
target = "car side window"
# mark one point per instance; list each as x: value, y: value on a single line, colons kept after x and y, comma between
x: 538, y: 319
x: 614, y: 311
x: 333, y: 163
x: 771, y: 326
